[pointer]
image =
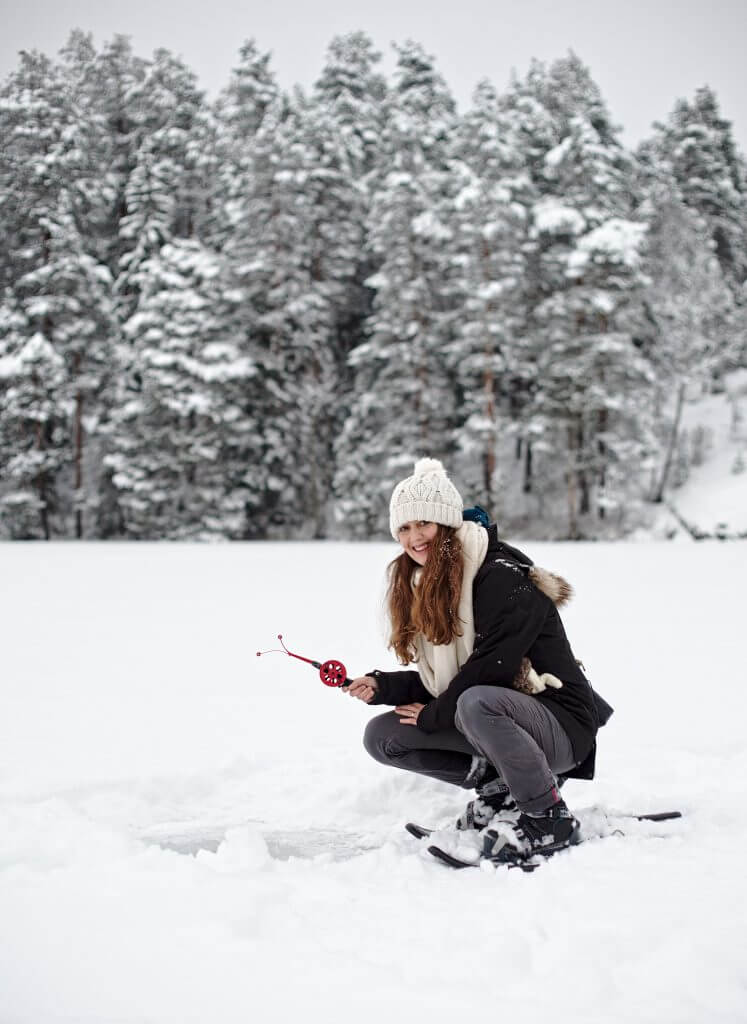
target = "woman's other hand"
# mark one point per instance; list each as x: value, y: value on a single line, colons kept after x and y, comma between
x: 363, y: 688
x: 408, y: 713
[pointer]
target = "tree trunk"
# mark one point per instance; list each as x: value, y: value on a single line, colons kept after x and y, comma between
x: 583, y: 480
x: 43, y: 513
x: 41, y: 486
x: 671, y: 447
x: 602, y: 452
x: 78, y: 442
x: 581, y: 474
x: 526, y: 486
x: 572, y: 485
x: 488, y: 469
x: 489, y: 459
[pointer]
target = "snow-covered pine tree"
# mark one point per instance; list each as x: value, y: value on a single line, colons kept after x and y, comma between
x: 32, y: 427
x: 349, y: 96
x: 488, y: 259
x: 402, y: 401
x: 32, y: 123
x: 57, y: 288
x: 160, y: 198
x: 242, y: 105
x: 351, y: 91
x: 92, y: 189
x: 293, y: 260
x: 691, y: 314
x: 183, y: 433
x: 696, y: 145
x: 165, y: 201
x: 110, y: 83
x: 238, y: 113
x: 239, y: 188
x: 70, y: 300
x: 104, y: 129
x: 585, y: 294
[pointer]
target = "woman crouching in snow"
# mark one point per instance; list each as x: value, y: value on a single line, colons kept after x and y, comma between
x: 499, y: 703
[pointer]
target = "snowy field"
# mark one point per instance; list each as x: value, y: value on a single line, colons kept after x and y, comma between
x: 192, y: 834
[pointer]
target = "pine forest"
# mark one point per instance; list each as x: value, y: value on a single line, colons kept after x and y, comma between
x: 245, y: 317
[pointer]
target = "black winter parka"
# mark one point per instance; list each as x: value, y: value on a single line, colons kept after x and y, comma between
x: 513, y: 620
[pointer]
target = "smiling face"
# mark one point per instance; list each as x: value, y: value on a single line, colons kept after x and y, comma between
x: 417, y: 538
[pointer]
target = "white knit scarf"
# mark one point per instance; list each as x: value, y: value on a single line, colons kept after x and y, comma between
x: 439, y: 663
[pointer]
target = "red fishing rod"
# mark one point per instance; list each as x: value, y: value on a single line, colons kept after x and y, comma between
x: 331, y: 672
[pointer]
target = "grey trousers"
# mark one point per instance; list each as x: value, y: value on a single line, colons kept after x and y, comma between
x: 514, y: 732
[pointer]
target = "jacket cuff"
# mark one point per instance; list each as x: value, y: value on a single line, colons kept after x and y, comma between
x: 427, y: 725
x: 378, y: 696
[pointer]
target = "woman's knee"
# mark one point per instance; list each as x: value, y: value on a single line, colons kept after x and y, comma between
x: 375, y: 737
x: 467, y: 708
x: 475, y: 704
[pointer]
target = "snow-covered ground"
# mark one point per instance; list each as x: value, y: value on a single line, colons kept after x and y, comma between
x: 190, y: 834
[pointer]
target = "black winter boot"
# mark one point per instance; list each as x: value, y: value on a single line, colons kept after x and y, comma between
x: 543, y: 834
x: 492, y: 798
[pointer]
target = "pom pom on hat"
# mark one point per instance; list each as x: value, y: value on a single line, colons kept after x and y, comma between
x: 428, y: 466
x: 427, y: 495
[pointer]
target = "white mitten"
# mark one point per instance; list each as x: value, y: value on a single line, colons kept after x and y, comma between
x: 529, y: 681
x: 540, y: 683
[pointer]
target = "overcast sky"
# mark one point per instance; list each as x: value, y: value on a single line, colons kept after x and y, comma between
x: 644, y: 54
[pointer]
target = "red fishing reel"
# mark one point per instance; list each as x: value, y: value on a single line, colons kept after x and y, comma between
x: 331, y: 672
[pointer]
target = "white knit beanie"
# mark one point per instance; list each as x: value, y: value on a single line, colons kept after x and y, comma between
x: 428, y: 495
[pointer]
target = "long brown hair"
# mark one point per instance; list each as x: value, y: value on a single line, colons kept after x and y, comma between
x: 430, y: 608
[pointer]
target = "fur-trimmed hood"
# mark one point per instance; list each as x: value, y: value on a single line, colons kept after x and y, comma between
x: 555, y: 587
